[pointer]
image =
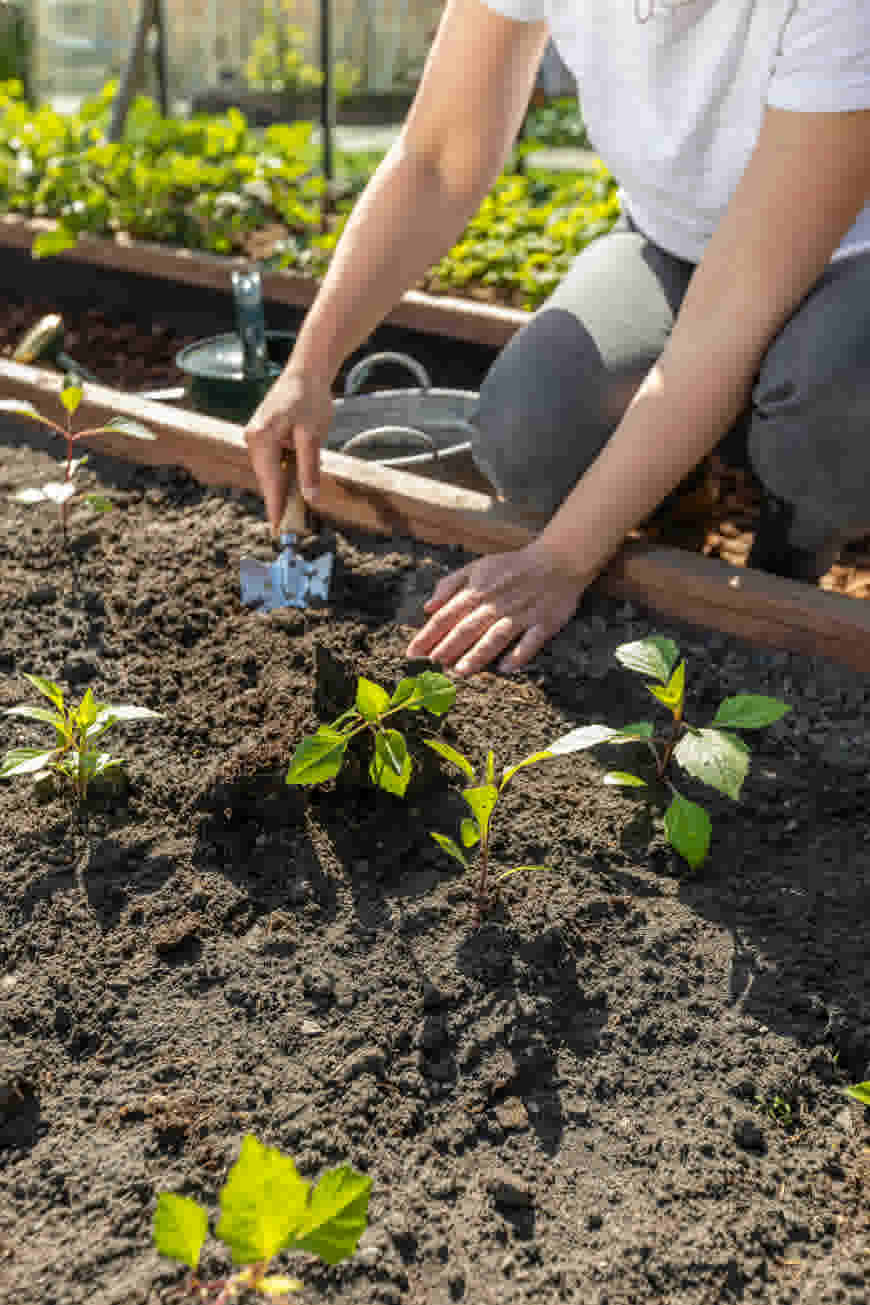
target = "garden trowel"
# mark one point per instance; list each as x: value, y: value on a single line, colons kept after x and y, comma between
x: 292, y: 579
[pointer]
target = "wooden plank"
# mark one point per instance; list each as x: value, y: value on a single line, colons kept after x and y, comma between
x: 684, y: 586
x: 461, y: 319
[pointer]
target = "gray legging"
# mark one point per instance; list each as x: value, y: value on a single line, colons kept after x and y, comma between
x: 556, y: 392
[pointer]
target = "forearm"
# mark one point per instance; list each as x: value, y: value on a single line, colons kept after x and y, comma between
x: 406, y: 219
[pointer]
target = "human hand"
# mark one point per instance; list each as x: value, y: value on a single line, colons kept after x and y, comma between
x: 293, y: 417
x: 477, y: 612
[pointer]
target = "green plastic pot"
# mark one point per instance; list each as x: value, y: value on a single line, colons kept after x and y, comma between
x: 216, y: 382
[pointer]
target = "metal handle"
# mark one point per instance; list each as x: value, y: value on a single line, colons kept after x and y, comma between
x: 359, y: 374
x: 368, y: 437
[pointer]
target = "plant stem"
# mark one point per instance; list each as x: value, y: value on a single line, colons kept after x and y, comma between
x: 483, y: 880
x: 671, y: 743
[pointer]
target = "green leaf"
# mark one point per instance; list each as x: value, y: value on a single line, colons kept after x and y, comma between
x: 587, y: 736
x: 520, y: 870
x: 482, y: 802
x: 37, y: 713
x: 644, y: 729
x: 469, y: 832
x: 489, y: 768
x: 99, y: 503
x: 404, y: 690
x: 654, y: 656
x: 262, y: 1203
x: 71, y: 396
x: 673, y: 694
x: 278, y: 1285
x: 371, y: 700
x: 127, y: 426
x: 317, y: 758
x: 390, y: 767
x: 750, y: 711
x: 450, y: 754
x: 716, y: 758
x: 25, y: 761
x: 435, y: 694
x: 180, y: 1228
x: 47, y: 688
x: 509, y: 771
x: 623, y: 779
x: 59, y: 491
x: 126, y: 712
x: 87, y: 712
x: 22, y: 408
x: 859, y: 1092
x: 49, y: 243
x: 447, y: 845
x: 688, y: 829
x: 336, y: 1217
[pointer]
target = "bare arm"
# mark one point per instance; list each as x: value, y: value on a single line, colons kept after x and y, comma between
x: 807, y: 180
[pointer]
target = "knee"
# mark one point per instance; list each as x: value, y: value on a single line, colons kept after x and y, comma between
x: 542, y: 416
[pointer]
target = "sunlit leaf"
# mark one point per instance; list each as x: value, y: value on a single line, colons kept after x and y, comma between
x: 482, y: 802
x: 36, y: 713
x: 521, y: 870
x: 127, y: 426
x: 390, y: 767
x: 716, y: 758
x: 47, y: 688
x: 127, y: 712
x: 859, y: 1092
x: 180, y: 1228
x: 434, y: 693
x: 623, y: 779
x: 587, y: 736
x: 278, y: 1285
x: 654, y: 656
x: 450, y: 754
x: 71, y: 396
x: 317, y: 758
x: 750, y: 711
x: 59, y: 491
x: 29, y: 496
x: 99, y: 503
x: 510, y: 771
x: 469, y: 832
x: 262, y: 1203
x: 371, y: 700
x: 688, y: 830
x: 336, y: 1216
x: 447, y: 845
x: 25, y: 761
x: 22, y: 408
x: 49, y: 243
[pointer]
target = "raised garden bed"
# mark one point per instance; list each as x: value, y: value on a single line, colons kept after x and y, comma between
x: 626, y: 1087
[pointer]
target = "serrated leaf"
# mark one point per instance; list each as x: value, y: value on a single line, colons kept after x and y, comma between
x: 180, y: 1228
x: 447, y: 845
x: 434, y: 693
x: 37, y: 713
x: 25, y: 761
x: 859, y: 1092
x: 371, y: 700
x: 450, y: 754
x: 482, y: 802
x: 688, y: 828
x: 469, y: 832
x: 623, y: 779
x: 127, y: 426
x: 654, y: 657
x: 317, y: 758
x: 21, y: 408
x: 47, y: 688
x: 750, y: 711
x: 716, y: 758
x: 278, y: 1285
x: 390, y: 767
x: 336, y: 1216
x: 587, y: 736
x: 71, y: 396
x: 262, y: 1203
x: 509, y: 771
x: 520, y: 870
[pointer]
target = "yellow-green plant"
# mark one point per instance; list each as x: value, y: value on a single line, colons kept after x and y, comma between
x: 277, y: 60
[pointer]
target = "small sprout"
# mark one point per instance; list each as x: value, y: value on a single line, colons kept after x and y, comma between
x: 715, y: 755
x: 481, y: 797
x: 320, y: 756
x: 64, y: 493
x: 266, y: 1208
x: 75, y: 756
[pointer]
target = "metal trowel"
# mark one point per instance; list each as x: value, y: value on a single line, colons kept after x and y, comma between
x: 292, y: 579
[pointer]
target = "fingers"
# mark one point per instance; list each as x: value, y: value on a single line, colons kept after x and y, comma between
x: 525, y: 649
x: 272, y: 471
x: 307, y: 463
x: 446, y: 587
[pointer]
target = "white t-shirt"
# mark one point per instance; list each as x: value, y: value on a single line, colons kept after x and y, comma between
x: 674, y: 104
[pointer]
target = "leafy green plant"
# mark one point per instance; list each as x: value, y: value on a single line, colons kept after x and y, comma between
x: 76, y: 756
x: 481, y: 797
x: 277, y: 60
x: 64, y: 493
x: 320, y: 756
x: 859, y: 1092
x: 716, y: 755
x: 266, y: 1208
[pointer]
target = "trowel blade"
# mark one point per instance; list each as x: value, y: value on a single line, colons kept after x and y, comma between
x: 289, y: 581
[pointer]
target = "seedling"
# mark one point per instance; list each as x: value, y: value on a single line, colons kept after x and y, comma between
x: 64, y: 493
x: 76, y: 758
x: 266, y: 1208
x: 715, y: 755
x: 481, y: 797
x: 859, y: 1092
x: 320, y: 756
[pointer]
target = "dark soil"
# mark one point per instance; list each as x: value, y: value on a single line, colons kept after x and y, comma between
x: 626, y: 1087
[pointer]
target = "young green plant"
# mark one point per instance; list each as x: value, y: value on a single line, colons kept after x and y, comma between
x: 859, y: 1092
x: 64, y: 493
x: 716, y: 755
x: 266, y: 1208
x: 76, y: 756
x: 320, y: 756
x: 481, y: 796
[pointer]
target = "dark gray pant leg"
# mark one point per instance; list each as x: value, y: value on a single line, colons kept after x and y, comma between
x: 559, y: 388
x: 809, y: 436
